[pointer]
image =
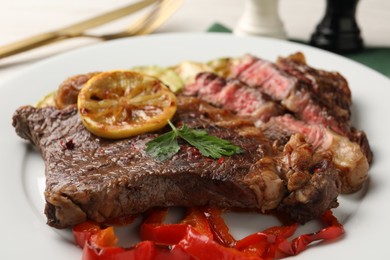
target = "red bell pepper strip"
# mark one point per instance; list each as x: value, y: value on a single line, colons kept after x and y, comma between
x: 153, y: 228
x: 202, y: 247
x: 197, y: 219
x: 99, y: 244
x: 219, y: 228
x: 192, y: 235
x: 269, y: 243
x: 332, y: 230
x: 145, y: 250
x: 83, y: 232
x: 202, y: 234
x: 273, y: 243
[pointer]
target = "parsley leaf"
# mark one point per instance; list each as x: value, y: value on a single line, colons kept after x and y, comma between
x: 166, y: 145
x: 163, y: 147
x: 208, y: 145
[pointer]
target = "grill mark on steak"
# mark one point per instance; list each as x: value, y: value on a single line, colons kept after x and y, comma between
x: 101, y: 179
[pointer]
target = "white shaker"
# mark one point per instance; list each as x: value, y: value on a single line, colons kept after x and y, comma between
x: 261, y: 17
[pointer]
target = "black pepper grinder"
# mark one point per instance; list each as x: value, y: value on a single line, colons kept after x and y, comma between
x: 338, y: 31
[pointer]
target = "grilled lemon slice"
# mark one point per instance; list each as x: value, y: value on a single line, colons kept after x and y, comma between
x: 120, y: 104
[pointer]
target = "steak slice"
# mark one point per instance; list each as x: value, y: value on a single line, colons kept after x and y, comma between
x: 235, y: 96
x: 88, y: 177
x: 314, y: 96
x: 297, y: 99
x: 323, y: 98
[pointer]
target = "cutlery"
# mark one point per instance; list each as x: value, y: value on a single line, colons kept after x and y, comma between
x: 145, y: 24
x: 71, y: 31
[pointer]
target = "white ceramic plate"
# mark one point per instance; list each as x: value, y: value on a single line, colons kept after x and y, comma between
x: 24, y: 233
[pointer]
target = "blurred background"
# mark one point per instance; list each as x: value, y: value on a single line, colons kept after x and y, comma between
x: 23, y: 18
x: 20, y: 18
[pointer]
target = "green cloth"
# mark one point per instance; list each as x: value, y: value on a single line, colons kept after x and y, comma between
x: 375, y: 58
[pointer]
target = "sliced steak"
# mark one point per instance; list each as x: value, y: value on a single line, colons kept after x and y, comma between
x: 318, y: 99
x: 312, y: 95
x: 268, y: 78
x: 88, y: 177
x: 251, y: 103
x: 234, y: 96
x: 321, y: 97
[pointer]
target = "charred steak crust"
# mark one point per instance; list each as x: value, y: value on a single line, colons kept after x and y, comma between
x: 307, y: 202
x: 97, y: 179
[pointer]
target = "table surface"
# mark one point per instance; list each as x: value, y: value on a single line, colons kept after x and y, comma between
x: 23, y: 18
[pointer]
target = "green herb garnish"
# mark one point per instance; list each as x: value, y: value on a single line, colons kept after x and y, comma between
x: 166, y: 145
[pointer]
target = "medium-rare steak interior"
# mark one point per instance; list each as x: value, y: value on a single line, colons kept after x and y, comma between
x: 293, y: 96
x: 93, y: 178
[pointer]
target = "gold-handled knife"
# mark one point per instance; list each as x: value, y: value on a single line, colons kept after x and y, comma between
x: 72, y: 30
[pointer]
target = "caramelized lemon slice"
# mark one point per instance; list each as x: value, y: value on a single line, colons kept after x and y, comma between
x: 120, y: 104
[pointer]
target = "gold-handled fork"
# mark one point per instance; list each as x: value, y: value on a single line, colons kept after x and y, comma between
x: 146, y: 24
x: 149, y: 22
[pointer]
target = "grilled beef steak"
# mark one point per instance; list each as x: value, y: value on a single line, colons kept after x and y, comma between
x: 88, y: 177
x: 292, y: 97
x: 259, y: 89
x: 291, y: 120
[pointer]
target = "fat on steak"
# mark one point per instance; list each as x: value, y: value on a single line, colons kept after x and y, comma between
x: 91, y: 178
